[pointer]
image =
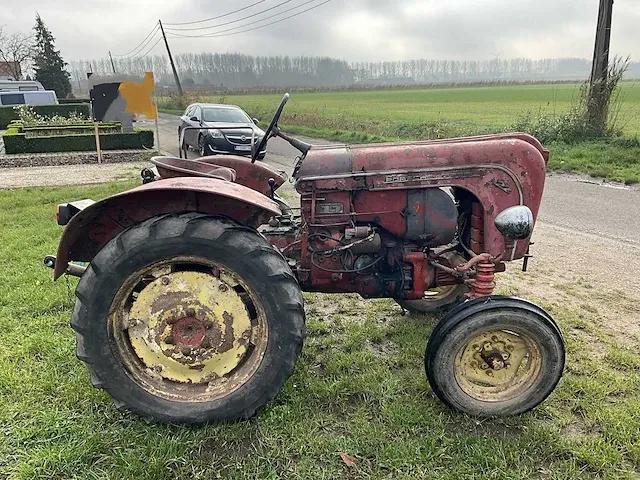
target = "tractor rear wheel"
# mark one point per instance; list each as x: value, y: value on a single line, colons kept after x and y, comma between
x: 189, y: 318
x: 495, y: 356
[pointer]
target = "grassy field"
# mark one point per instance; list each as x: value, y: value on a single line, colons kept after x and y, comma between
x: 384, y: 112
x: 359, y: 388
x: 439, y: 113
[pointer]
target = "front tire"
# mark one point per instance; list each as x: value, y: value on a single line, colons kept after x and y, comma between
x: 495, y: 356
x: 202, y: 146
x: 189, y: 318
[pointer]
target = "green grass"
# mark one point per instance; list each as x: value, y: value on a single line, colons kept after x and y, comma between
x: 359, y: 117
x: 392, y: 113
x: 359, y: 388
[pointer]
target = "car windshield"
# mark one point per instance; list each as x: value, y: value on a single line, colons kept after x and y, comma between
x: 224, y: 115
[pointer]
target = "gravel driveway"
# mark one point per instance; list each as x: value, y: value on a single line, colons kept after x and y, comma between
x: 69, y: 174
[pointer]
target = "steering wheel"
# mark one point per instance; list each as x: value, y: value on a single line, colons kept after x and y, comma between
x: 269, y: 132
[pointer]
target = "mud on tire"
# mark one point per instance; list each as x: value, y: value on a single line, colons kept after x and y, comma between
x: 270, y: 285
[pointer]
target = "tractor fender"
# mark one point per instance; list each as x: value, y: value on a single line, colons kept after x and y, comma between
x: 91, y: 228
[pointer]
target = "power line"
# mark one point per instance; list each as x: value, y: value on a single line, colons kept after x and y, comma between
x: 219, y: 16
x: 147, y: 39
x: 232, y: 21
x: 222, y: 34
x: 146, y: 53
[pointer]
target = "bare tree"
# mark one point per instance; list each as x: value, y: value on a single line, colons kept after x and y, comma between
x: 16, y: 50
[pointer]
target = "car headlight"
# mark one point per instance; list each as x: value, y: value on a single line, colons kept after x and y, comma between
x: 216, y: 134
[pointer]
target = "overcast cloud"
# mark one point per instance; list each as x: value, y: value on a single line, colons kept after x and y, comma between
x: 367, y: 30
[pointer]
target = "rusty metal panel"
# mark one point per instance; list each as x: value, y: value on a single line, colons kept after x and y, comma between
x: 432, y: 216
x: 92, y: 228
x: 499, y: 170
x: 327, y: 160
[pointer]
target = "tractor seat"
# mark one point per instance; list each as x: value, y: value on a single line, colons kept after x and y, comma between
x: 171, y: 167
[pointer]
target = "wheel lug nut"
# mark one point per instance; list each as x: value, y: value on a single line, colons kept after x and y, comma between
x: 191, y: 312
x: 169, y: 340
x: 208, y: 324
x: 165, y: 280
x: 186, y: 351
x: 223, y: 287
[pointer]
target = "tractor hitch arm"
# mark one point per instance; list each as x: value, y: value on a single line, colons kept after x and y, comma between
x: 73, y: 269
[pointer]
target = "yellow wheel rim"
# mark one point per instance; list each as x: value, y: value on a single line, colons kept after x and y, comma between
x: 497, y: 365
x: 188, y: 329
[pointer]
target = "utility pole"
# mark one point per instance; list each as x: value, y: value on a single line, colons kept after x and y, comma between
x: 112, y: 65
x: 598, y: 103
x: 173, y: 67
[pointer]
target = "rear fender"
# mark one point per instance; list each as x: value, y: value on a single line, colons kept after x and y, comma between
x: 90, y: 229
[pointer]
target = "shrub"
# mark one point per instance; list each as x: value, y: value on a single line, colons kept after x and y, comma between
x: 570, y: 127
x: 80, y: 110
x: 17, y: 142
x: 64, y: 101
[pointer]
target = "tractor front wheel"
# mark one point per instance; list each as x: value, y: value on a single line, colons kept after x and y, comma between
x: 189, y: 318
x: 495, y: 356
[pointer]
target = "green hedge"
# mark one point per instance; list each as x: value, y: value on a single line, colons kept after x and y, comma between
x: 73, y: 100
x: 15, y: 142
x: 80, y: 127
x: 8, y: 113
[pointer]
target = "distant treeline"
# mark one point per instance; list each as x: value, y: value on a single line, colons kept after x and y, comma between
x: 236, y: 71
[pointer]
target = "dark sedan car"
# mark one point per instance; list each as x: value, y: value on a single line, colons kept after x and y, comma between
x: 219, y: 138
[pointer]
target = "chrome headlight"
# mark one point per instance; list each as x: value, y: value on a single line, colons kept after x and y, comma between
x: 515, y: 222
x: 215, y: 133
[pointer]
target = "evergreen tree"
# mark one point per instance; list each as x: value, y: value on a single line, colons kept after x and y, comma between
x: 48, y: 63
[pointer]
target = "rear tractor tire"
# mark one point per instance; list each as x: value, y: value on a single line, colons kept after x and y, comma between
x: 495, y: 356
x: 189, y: 318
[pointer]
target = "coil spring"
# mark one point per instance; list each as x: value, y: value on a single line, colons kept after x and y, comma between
x: 483, y: 284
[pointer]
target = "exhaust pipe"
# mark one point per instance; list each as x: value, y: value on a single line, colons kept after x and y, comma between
x: 73, y: 269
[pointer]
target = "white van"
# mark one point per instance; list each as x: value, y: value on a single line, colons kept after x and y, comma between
x: 40, y: 97
x: 7, y: 85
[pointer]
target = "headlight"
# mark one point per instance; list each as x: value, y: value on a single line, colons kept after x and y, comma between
x: 515, y: 222
x: 216, y: 134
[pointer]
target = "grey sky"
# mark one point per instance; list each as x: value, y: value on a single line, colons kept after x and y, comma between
x: 349, y: 29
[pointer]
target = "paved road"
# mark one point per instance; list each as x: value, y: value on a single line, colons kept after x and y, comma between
x: 570, y: 202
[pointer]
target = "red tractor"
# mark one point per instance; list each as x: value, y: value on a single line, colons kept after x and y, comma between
x: 191, y: 308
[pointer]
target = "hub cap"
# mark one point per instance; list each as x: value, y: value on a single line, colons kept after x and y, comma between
x: 190, y: 327
x: 497, y: 365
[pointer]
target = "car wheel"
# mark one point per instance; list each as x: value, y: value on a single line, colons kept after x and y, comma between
x: 182, y: 145
x: 202, y: 147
